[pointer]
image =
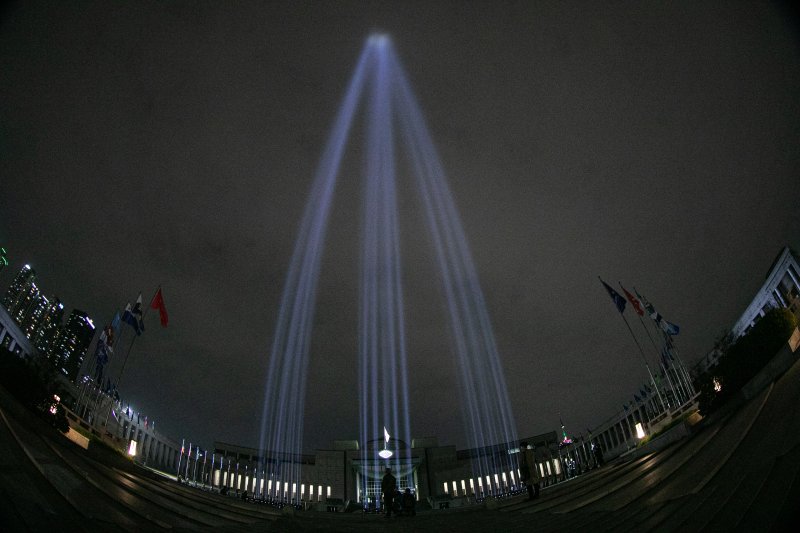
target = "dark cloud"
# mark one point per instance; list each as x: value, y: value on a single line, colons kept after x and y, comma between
x: 175, y: 143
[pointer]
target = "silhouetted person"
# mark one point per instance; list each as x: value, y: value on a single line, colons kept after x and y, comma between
x: 388, y: 487
x: 529, y: 473
x: 409, y: 503
x: 598, y: 454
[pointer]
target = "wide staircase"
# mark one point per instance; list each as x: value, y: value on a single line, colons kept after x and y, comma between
x: 738, y: 471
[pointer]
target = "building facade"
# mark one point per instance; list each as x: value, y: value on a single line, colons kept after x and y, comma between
x: 20, y: 293
x: 40, y: 318
x: 123, y: 428
x: 12, y: 338
x: 48, y: 326
x: 781, y: 288
x: 341, y: 477
x: 31, y: 326
x: 70, y: 344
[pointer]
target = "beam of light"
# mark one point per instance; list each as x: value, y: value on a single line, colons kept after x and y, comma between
x: 487, y: 407
x: 382, y: 351
x: 383, y: 374
x: 284, y: 397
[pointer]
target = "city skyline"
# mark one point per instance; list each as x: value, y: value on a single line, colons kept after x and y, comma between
x: 174, y: 146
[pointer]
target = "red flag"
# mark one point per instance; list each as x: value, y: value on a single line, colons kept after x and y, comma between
x: 158, y: 303
x: 634, y: 301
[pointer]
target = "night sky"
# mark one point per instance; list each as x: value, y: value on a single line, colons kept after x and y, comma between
x: 174, y: 144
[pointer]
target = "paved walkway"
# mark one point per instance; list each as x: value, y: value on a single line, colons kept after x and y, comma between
x: 740, y: 472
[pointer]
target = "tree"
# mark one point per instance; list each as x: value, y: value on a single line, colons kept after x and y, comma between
x: 743, y: 359
x: 34, y: 386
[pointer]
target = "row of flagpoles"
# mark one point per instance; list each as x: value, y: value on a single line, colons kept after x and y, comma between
x: 672, y: 369
x: 190, y: 461
x: 133, y: 315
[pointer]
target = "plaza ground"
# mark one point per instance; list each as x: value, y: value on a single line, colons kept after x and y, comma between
x: 739, y: 470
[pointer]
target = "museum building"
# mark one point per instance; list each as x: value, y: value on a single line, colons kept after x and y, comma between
x: 343, y: 476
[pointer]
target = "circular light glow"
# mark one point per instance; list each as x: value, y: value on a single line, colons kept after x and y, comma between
x: 385, y: 454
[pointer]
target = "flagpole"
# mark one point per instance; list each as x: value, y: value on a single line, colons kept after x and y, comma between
x: 680, y: 376
x: 664, y: 365
x: 664, y: 368
x: 671, y: 386
x: 127, y: 354
x: 630, y: 425
x: 84, y: 385
x: 685, y: 373
x: 125, y: 361
x: 644, y: 359
x: 122, y: 370
x: 621, y: 308
x: 180, y: 458
x: 89, y: 360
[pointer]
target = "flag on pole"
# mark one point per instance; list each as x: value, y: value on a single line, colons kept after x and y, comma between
x: 619, y: 301
x: 116, y: 324
x: 133, y: 316
x: 137, y: 312
x: 158, y: 303
x: 128, y: 318
x: 668, y: 353
x: 102, y: 351
x: 647, y: 305
x: 634, y: 302
x: 668, y: 327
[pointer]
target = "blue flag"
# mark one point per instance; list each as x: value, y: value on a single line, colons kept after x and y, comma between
x: 670, y: 328
x: 619, y: 301
x: 128, y: 318
x: 116, y: 324
x: 133, y: 316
